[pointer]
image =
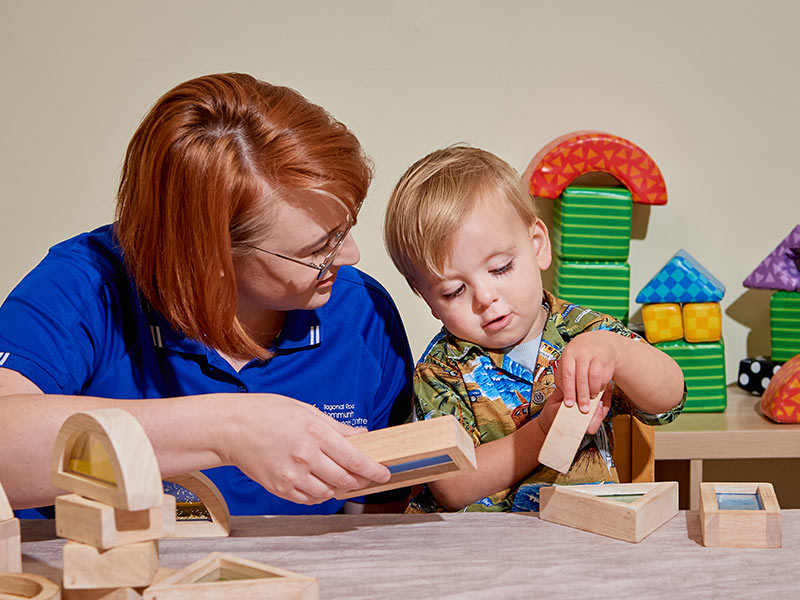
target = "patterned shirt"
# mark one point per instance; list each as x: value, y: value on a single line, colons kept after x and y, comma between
x: 493, y: 396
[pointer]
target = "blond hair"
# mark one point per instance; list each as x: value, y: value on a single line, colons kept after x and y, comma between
x: 435, y: 195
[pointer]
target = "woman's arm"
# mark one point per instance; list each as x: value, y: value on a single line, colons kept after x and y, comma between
x: 291, y: 448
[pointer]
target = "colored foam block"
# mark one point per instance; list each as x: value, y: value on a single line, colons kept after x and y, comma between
x: 781, y: 401
x: 601, y: 286
x: 702, y: 322
x: 780, y: 270
x: 756, y: 372
x: 662, y: 322
x: 703, y: 367
x: 784, y: 321
x: 592, y: 224
x: 682, y: 279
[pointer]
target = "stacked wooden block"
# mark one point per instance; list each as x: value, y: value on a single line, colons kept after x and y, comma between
x: 591, y: 241
x: 117, y: 509
x: 10, y: 551
x: 682, y: 317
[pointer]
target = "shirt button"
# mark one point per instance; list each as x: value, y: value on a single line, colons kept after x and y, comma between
x: 242, y: 389
x: 538, y: 397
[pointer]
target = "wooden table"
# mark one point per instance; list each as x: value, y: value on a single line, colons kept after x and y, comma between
x: 510, y: 555
x: 739, y: 432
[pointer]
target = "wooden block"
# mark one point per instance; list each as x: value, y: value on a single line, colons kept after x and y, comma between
x: 740, y: 515
x: 102, y: 526
x: 624, y: 511
x: 105, y: 455
x: 6, y: 512
x: 202, y: 512
x: 28, y: 586
x: 86, y: 567
x: 417, y: 452
x: 221, y: 577
x: 126, y: 593
x: 10, y: 547
x: 565, y: 435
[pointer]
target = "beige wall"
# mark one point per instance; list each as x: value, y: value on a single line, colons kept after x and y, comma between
x: 708, y: 88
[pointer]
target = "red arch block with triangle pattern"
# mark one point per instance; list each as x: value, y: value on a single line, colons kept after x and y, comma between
x: 573, y: 154
x: 781, y: 399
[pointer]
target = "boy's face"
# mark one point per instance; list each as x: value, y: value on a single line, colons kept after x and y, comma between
x: 492, y: 291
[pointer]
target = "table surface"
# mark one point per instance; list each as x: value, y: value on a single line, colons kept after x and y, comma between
x: 741, y: 431
x: 478, y: 555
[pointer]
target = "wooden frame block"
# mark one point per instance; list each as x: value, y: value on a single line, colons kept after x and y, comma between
x: 102, y: 526
x: 221, y: 576
x: 86, y: 567
x: 565, y: 435
x: 624, y: 511
x: 10, y: 547
x: 28, y: 586
x: 125, y: 475
x: 417, y: 452
x: 754, y: 524
x: 219, y: 522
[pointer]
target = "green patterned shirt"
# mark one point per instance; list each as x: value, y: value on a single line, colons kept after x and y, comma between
x: 492, y: 396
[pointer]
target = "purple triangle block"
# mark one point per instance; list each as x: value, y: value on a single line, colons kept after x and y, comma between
x: 779, y: 270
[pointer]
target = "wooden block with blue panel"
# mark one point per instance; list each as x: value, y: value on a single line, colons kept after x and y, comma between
x: 740, y: 515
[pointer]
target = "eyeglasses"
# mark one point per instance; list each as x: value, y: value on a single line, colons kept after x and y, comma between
x: 335, y: 241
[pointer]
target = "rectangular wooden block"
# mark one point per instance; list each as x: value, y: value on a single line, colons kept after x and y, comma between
x: 86, y: 567
x: 126, y: 593
x: 102, y: 526
x: 749, y: 517
x: 703, y: 367
x: 565, y: 435
x: 221, y: 577
x: 624, y: 511
x: 417, y: 452
x: 10, y: 547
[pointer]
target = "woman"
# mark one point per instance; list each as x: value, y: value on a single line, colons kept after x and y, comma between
x: 223, y: 300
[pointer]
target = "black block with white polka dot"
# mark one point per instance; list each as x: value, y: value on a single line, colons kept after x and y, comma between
x: 755, y: 373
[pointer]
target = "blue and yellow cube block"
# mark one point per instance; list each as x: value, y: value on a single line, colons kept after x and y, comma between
x: 702, y: 322
x: 703, y: 367
x: 592, y: 224
x: 601, y: 286
x: 784, y: 321
x: 662, y: 322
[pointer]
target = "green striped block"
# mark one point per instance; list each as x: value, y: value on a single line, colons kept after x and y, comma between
x: 784, y: 322
x: 601, y: 286
x: 703, y: 366
x: 592, y: 224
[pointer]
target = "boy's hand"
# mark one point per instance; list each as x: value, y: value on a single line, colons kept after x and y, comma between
x: 586, y: 366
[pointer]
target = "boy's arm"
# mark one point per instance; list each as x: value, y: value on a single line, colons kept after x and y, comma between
x: 650, y: 378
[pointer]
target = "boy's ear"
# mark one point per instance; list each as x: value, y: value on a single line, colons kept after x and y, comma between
x: 541, y: 243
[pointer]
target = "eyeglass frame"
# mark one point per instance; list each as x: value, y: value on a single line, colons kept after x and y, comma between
x: 326, y: 263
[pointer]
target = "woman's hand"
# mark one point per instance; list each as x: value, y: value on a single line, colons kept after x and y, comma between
x: 294, y: 450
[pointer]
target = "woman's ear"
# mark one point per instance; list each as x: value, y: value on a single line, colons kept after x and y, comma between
x: 541, y: 243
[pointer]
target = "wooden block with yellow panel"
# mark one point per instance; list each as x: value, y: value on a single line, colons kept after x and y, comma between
x: 221, y: 577
x: 201, y: 510
x: 106, y: 456
x: 702, y: 322
x: 663, y: 322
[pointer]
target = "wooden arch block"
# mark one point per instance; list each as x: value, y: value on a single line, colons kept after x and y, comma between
x: 105, y: 455
x: 221, y: 576
x: 625, y: 511
x: 208, y: 516
x: 28, y: 586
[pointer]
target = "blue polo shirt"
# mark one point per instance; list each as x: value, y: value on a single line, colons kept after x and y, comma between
x: 76, y: 325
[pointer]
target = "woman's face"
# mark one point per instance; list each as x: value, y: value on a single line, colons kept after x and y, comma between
x: 304, y: 229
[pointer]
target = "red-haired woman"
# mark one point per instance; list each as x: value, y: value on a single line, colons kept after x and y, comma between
x: 222, y: 300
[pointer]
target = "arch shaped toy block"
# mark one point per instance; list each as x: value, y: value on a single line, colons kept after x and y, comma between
x: 105, y: 455
x: 558, y: 163
x: 201, y: 508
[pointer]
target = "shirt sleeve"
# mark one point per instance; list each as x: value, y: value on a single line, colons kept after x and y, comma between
x: 620, y: 403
